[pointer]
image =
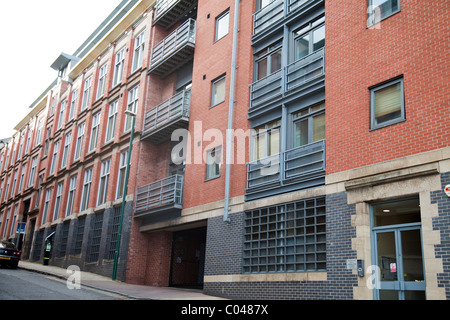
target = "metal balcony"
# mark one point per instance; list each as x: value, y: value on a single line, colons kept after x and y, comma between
x: 175, y: 50
x: 164, y: 196
x: 299, y: 75
x: 172, y: 114
x: 169, y: 12
x: 270, y: 15
x: 295, y: 169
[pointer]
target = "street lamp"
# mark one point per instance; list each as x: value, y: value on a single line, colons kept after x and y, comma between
x: 124, y: 195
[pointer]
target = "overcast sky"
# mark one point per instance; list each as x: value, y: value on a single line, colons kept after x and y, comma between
x: 33, y: 35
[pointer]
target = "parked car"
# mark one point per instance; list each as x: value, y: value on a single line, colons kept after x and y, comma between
x: 9, y: 255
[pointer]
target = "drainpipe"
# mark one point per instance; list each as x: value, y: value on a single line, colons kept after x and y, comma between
x: 226, y: 218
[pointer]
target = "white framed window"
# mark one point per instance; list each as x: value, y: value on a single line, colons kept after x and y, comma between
x: 387, y: 103
x: 133, y: 98
x: 48, y: 195
x: 138, y: 53
x: 118, y: 67
x: 73, y: 104
x: 218, y: 91
x: 101, y: 81
x: 61, y: 114
x: 121, y: 174
x: 213, y: 162
x: 54, y: 157
x: 86, y: 189
x: 59, y: 192
x: 112, y: 118
x: 22, y: 177
x: 8, y: 212
x: 65, y: 154
x: 11, y: 230
x: 33, y: 171
x: 222, y: 25
x: 71, y: 196
x: 86, y: 93
x: 94, y: 132
x: 39, y: 132
x: 79, y: 143
x: 104, y: 180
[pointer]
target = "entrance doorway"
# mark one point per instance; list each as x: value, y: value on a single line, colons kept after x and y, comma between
x: 188, y: 258
x: 397, y: 250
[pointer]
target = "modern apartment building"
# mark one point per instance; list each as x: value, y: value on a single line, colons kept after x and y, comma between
x: 282, y: 149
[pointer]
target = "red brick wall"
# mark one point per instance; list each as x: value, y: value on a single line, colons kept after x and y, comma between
x: 411, y: 43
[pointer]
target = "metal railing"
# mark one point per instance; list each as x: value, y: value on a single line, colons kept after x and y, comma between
x: 170, y: 110
x: 292, y: 77
x: 168, y: 191
x: 292, y: 166
x: 183, y: 35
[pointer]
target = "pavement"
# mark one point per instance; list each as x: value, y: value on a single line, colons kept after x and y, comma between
x: 131, y: 291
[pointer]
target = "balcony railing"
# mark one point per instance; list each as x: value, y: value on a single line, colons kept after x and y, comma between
x: 160, y: 196
x: 275, y: 12
x: 295, y: 166
x: 295, y: 77
x: 168, y: 12
x: 175, y: 50
x: 161, y: 121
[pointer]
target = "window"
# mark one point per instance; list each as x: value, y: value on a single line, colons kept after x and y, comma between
x: 65, y: 154
x: 11, y: 231
x: 61, y: 114
x: 266, y: 140
x: 71, y: 196
x: 54, y: 157
x: 101, y: 80
x: 222, y: 25
x: 218, y: 91
x: 213, y: 163
x: 57, y: 208
x: 133, y: 97
x: 268, y: 61
x: 286, y: 238
x: 33, y: 171
x: 94, y: 132
x: 387, y: 105
x: 122, y: 173
x: 104, y: 180
x: 86, y: 93
x: 138, y: 54
x: 6, y: 222
x: 263, y: 3
x: 73, y: 104
x: 309, y: 38
x: 111, y: 125
x: 118, y: 67
x: 39, y: 133
x: 79, y: 143
x: 86, y: 189
x: 309, y: 125
x: 22, y: 176
x: 48, y: 195
x: 378, y: 10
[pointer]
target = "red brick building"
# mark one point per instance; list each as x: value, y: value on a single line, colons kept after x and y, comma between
x: 339, y: 150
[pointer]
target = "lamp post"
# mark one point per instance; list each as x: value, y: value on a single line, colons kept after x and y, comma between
x: 124, y: 195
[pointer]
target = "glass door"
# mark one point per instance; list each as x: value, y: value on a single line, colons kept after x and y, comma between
x: 397, y: 250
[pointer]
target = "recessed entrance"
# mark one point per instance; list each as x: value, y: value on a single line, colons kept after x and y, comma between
x: 188, y: 258
x: 397, y: 250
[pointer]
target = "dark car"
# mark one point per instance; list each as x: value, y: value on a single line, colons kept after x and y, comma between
x: 9, y: 255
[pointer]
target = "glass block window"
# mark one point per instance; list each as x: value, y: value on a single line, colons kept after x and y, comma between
x: 286, y: 238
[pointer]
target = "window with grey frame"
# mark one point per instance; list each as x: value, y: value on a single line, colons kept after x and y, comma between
x: 309, y: 125
x: 268, y: 61
x: 289, y: 237
x: 213, y: 162
x: 378, y: 10
x: 309, y: 38
x: 218, y: 90
x: 387, y: 103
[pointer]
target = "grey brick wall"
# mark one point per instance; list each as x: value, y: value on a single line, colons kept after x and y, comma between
x: 224, y: 256
x: 442, y: 223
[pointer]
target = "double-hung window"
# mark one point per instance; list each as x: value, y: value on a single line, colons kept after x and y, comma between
x: 71, y: 196
x: 133, y: 98
x: 33, y: 171
x: 59, y: 192
x: 86, y: 189
x: 94, y: 132
x: 122, y: 173
x: 73, y: 104
x: 268, y: 61
x: 86, y: 93
x: 104, y: 180
x: 48, y: 196
x: 309, y: 38
x: 101, y: 81
x: 378, y: 10
x: 65, y: 154
x: 62, y: 108
x: 138, y: 54
x: 111, y: 124
x: 54, y: 157
x: 79, y: 143
x: 118, y: 67
x: 387, y: 104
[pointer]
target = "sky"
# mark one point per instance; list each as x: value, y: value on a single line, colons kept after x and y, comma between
x: 33, y: 35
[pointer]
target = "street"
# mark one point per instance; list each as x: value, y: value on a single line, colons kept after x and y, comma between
x: 25, y: 285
